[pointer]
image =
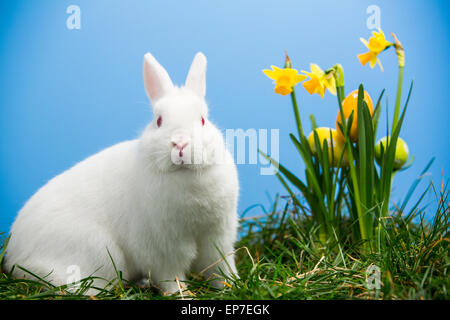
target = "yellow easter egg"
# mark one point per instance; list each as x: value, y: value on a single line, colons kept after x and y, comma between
x: 401, y: 152
x: 349, y: 104
x: 335, y: 150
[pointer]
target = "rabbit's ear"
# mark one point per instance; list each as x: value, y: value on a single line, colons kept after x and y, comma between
x: 156, y: 80
x: 196, y: 78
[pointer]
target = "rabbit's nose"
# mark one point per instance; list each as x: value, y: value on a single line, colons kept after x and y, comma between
x: 180, y: 143
x: 180, y: 147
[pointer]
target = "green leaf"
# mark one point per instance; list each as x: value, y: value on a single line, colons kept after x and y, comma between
x: 414, y: 185
x: 377, y: 112
x: 389, y: 157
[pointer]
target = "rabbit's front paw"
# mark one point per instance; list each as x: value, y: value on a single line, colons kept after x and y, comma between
x: 173, y: 287
x: 143, y: 283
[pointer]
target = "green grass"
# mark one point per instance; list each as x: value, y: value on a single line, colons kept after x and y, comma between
x: 279, y: 256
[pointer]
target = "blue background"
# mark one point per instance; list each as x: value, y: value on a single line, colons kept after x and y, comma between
x: 67, y: 94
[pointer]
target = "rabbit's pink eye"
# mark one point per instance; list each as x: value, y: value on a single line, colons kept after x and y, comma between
x: 203, y: 121
x: 159, y: 121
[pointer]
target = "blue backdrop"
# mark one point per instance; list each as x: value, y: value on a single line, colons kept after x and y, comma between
x: 66, y: 94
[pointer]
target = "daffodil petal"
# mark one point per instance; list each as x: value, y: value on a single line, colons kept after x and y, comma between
x: 373, y: 61
x: 379, y: 63
x: 315, y: 69
x: 332, y: 89
x: 365, y: 42
x: 275, y: 68
x: 322, y: 92
x: 271, y: 74
x: 298, y: 78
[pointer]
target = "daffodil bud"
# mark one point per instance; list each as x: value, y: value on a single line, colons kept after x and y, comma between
x: 401, y: 152
x: 339, y: 75
x: 399, y: 50
x: 287, y: 62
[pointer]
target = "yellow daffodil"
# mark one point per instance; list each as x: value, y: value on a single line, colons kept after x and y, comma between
x: 285, y: 79
x: 319, y: 81
x: 376, y: 44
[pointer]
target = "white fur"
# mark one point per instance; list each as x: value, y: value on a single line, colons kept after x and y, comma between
x: 156, y: 213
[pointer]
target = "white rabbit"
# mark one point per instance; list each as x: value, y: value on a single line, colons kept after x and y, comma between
x: 161, y: 205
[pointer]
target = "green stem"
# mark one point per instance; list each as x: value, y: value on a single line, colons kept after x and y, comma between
x: 302, y: 139
x: 382, y: 219
x: 398, y: 98
x: 298, y: 121
x: 385, y: 207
